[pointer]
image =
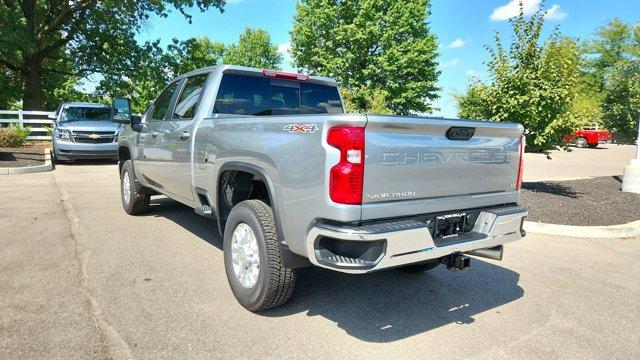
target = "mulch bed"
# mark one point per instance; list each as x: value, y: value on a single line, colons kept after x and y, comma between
x: 596, y: 201
x: 21, y: 157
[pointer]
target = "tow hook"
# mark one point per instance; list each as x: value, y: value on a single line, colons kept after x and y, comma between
x: 456, y: 261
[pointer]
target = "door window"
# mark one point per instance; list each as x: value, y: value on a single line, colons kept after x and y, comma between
x: 189, y: 98
x: 161, y: 106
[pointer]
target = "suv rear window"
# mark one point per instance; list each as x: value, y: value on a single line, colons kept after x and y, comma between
x: 254, y: 95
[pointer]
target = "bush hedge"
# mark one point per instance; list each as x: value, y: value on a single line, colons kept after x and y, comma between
x: 13, y: 136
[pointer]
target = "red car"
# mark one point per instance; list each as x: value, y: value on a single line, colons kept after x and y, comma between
x: 590, y: 137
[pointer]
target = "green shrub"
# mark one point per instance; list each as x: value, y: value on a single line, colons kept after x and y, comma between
x: 13, y: 136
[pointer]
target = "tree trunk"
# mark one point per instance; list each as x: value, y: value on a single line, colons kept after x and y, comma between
x: 33, y: 97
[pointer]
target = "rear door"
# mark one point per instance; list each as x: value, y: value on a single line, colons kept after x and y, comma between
x: 411, y: 158
x: 175, y: 174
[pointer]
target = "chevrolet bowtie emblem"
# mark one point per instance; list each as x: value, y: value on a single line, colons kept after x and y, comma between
x: 94, y: 136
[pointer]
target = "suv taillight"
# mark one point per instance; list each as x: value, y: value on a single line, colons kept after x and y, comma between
x: 346, y: 177
x: 519, y: 179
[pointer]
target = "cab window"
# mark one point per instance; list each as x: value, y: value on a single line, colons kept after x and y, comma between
x: 189, y: 98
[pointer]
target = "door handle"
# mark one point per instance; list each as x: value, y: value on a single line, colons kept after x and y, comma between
x: 155, y: 133
x: 185, y: 135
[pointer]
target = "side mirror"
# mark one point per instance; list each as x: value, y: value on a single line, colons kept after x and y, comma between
x: 136, y: 123
x: 121, y: 110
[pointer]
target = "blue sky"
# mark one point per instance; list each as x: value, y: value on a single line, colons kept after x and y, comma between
x: 462, y: 28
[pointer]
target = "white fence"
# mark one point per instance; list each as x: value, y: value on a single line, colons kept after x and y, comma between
x: 37, y: 121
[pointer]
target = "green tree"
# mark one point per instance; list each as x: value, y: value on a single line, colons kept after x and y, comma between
x: 95, y: 37
x: 192, y: 54
x: 10, y: 90
x: 254, y: 49
x: 611, y: 47
x: 611, y: 68
x: 474, y: 103
x: 533, y: 82
x: 375, y: 49
x: 621, y: 108
x: 147, y: 75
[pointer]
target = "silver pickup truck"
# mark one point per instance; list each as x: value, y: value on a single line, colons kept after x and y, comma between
x: 293, y: 181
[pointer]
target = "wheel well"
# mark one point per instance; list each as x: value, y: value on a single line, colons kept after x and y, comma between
x: 123, y: 155
x: 235, y: 186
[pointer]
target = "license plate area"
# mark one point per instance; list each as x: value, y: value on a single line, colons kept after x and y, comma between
x: 449, y: 225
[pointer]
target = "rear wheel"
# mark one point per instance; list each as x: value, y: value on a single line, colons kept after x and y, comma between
x: 252, y: 258
x: 420, y: 267
x: 581, y: 142
x: 134, y: 202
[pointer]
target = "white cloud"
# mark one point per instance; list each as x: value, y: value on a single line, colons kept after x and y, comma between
x: 449, y: 64
x: 554, y: 13
x: 471, y: 73
x: 529, y: 7
x: 457, y: 43
x: 512, y: 8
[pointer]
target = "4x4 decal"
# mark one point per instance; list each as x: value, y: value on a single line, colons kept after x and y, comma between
x: 303, y: 128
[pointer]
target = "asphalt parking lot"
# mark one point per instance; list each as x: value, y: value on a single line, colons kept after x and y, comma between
x: 81, y: 279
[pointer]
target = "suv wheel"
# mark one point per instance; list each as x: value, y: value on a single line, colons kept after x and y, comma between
x: 252, y: 258
x: 133, y: 201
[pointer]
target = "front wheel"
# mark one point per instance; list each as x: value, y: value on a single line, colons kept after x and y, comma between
x: 252, y: 258
x: 133, y: 201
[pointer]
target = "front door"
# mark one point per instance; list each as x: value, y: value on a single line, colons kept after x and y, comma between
x: 149, y: 154
x: 177, y: 134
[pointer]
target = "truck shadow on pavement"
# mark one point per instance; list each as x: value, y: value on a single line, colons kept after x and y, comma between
x: 385, y: 306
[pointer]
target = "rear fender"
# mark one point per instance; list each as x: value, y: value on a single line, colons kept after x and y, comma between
x: 289, y: 259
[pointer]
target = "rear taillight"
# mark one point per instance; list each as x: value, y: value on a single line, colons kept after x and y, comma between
x: 346, y: 177
x: 521, y: 160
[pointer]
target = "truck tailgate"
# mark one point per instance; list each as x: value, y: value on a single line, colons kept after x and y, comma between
x: 411, y: 158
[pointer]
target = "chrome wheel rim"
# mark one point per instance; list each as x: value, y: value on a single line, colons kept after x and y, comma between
x: 245, y: 255
x: 126, y: 187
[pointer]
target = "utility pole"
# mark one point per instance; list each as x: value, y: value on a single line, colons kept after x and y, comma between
x: 631, y: 175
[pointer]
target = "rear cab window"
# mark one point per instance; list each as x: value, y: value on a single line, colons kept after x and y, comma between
x: 258, y: 96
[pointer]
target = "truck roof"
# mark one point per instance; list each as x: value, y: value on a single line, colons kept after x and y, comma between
x: 252, y: 71
x: 84, y: 104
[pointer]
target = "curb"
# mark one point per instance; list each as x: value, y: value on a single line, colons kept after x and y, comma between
x: 48, y: 166
x: 624, y: 231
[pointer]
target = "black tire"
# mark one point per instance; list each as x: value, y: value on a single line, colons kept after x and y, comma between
x: 138, y: 202
x: 593, y: 146
x: 275, y: 284
x: 420, y: 267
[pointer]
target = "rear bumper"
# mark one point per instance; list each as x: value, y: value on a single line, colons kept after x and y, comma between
x: 70, y: 151
x: 401, y: 242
